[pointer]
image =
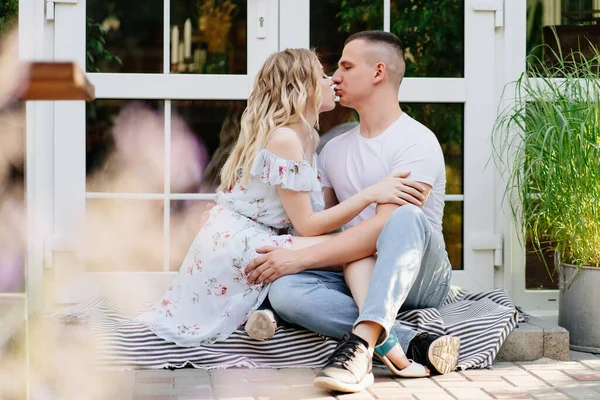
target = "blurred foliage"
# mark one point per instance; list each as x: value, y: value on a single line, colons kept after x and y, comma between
x: 9, y: 12
x: 95, y: 47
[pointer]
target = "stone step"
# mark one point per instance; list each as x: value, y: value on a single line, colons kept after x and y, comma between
x: 535, y: 339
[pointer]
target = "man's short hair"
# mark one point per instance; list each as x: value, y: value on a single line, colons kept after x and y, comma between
x: 392, y: 46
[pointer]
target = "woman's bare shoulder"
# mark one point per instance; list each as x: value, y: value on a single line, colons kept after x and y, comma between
x: 285, y: 143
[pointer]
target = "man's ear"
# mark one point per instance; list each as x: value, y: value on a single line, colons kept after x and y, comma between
x: 380, y: 71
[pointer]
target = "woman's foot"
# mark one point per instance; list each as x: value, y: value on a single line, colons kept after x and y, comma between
x: 399, y: 359
x: 394, y: 358
x: 261, y: 325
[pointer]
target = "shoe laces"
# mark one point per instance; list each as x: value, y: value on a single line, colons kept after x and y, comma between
x: 418, y: 351
x: 345, y: 350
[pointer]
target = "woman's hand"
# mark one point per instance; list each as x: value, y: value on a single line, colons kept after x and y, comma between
x: 396, y: 189
x: 206, y: 214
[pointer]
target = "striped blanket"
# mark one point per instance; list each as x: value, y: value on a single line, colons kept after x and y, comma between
x: 482, y: 321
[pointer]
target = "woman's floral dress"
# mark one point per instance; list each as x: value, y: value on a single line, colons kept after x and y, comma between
x: 210, y: 297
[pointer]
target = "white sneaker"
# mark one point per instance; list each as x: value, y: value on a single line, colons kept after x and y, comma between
x: 261, y: 325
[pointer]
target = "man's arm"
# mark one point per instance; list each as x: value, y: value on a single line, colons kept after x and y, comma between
x: 352, y: 244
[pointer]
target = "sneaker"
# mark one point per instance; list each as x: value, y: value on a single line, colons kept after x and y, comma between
x: 438, y: 353
x: 349, y: 368
x: 261, y: 325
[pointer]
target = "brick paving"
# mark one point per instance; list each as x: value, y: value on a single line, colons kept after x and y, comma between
x: 542, y: 379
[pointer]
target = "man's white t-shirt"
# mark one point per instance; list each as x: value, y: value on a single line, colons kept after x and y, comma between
x: 350, y: 163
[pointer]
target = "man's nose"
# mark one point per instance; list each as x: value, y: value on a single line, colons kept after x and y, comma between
x: 336, y: 78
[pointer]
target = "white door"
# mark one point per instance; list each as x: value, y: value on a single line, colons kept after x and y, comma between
x: 449, y: 86
x: 129, y: 167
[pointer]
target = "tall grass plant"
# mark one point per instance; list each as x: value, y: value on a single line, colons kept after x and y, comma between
x: 547, y: 143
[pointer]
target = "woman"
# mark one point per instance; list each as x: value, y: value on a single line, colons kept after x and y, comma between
x: 268, y: 184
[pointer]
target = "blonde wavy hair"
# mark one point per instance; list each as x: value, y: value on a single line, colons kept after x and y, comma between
x: 280, y: 97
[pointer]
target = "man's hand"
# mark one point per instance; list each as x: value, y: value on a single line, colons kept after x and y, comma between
x: 274, y: 262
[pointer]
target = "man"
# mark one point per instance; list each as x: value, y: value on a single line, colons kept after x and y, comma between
x: 412, y: 268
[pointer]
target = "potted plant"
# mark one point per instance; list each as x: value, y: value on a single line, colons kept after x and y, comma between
x: 216, y: 20
x: 547, y: 142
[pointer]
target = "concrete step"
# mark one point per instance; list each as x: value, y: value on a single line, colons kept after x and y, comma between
x: 535, y: 339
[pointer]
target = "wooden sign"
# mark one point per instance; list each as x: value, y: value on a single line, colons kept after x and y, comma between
x: 57, y: 81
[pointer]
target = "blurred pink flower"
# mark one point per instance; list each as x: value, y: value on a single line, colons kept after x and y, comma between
x: 139, y: 136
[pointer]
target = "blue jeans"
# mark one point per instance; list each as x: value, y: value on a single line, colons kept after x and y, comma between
x: 412, y: 272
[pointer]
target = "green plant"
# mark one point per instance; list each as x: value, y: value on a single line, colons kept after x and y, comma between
x: 548, y: 145
x: 95, y: 51
x: 9, y: 12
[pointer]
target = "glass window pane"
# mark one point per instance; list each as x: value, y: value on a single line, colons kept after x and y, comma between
x: 9, y: 11
x: 203, y: 133
x: 432, y: 32
x: 125, y: 36
x: 12, y: 251
x: 331, y: 24
x: 124, y: 235
x: 125, y: 146
x: 13, y: 245
x: 208, y: 36
x: 185, y: 224
x: 539, y: 274
x: 433, y: 35
x: 453, y: 232
x: 576, y: 25
x: 13, y: 349
x: 446, y: 121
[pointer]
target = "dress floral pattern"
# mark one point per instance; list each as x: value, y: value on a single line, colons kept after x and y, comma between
x: 210, y: 297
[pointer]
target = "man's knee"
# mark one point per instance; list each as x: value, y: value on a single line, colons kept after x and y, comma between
x: 406, y: 216
x: 283, y: 296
